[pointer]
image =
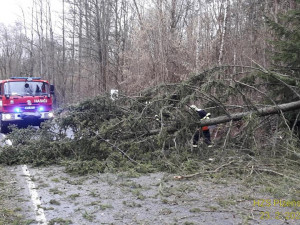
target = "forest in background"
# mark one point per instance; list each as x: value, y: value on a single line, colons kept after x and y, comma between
x: 130, y: 45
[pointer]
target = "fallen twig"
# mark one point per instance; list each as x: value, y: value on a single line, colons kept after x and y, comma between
x: 277, y: 173
x: 120, y: 150
x: 204, y: 172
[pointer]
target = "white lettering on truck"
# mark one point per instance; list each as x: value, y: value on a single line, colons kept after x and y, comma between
x: 40, y: 100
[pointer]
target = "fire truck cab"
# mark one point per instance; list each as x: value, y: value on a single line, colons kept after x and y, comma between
x: 25, y: 101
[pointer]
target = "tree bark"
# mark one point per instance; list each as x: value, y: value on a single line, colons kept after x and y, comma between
x: 260, y: 112
x: 223, y: 32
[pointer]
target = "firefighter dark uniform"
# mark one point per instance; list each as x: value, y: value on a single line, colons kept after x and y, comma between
x: 204, y: 130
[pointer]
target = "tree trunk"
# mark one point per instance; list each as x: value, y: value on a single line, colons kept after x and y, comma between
x: 260, y: 112
x: 223, y: 32
x: 233, y: 117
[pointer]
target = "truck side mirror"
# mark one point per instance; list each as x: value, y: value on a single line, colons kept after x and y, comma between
x: 52, y: 89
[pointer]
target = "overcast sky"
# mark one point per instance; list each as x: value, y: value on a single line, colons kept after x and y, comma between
x: 10, y: 10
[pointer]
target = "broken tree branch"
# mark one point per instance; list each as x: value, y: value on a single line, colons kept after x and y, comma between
x: 203, y: 172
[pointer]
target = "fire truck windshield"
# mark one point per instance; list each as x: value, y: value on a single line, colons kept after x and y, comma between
x: 29, y: 88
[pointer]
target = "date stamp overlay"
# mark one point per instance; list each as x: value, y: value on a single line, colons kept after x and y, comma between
x: 277, y: 209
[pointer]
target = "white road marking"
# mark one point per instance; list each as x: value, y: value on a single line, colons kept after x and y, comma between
x: 40, y: 215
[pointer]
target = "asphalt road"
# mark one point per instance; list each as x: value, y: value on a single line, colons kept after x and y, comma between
x: 49, y: 195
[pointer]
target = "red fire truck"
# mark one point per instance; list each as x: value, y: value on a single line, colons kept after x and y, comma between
x: 25, y: 101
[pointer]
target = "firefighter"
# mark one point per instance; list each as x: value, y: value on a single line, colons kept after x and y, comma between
x: 27, y: 89
x: 204, y: 130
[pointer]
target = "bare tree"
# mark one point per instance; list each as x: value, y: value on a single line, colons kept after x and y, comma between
x: 131, y: 45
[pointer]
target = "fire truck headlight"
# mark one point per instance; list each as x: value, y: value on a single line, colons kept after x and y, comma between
x: 51, y: 115
x: 41, y: 109
x: 17, y: 109
x: 7, y: 116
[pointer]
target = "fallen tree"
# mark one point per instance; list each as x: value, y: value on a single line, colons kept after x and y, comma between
x: 266, y: 111
x: 154, y: 127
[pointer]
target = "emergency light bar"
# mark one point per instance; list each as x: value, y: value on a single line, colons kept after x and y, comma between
x: 26, y: 78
